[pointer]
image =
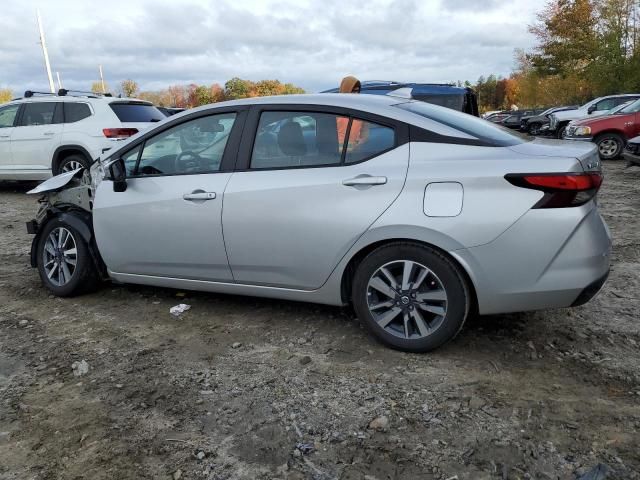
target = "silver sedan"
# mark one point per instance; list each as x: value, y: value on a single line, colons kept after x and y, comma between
x: 416, y: 215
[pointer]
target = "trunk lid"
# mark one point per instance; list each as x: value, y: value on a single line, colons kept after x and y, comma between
x: 585, y: 152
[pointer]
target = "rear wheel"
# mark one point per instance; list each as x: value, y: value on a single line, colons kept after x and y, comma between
x: 70, y: 163
x: 64, y: 261
x: 411, y: 297
x: 610, y: 145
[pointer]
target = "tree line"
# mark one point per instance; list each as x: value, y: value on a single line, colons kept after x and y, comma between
x: 584, y: 49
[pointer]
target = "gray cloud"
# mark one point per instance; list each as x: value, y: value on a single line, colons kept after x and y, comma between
x: 312, y: 44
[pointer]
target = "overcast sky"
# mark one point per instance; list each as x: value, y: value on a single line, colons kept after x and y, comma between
x: 310, y: 43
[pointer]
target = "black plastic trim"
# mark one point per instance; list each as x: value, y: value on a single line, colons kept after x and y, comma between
x: 418, y: 134
x: 590, y: 291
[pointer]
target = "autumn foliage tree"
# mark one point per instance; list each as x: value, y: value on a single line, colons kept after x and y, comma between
x: 5, y: 95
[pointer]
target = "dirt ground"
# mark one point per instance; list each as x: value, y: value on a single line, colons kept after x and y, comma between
x: 246, y: 388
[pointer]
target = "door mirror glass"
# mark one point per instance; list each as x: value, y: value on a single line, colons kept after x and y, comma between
x: 118, y: 174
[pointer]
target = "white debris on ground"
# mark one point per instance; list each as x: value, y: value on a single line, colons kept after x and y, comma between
x: 179, y: 309
x: 80, y: 368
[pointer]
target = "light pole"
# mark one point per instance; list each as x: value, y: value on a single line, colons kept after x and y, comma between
x: 46, y: 55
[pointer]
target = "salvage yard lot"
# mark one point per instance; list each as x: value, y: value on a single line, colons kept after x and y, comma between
x: 233, y: 387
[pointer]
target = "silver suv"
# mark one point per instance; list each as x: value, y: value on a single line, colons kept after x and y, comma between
x: 415, y: 214
x: 41, y: 134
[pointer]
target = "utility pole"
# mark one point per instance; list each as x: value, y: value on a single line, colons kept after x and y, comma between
x: 104, y: 90
x: 46, y: 55
x: 59, y: 81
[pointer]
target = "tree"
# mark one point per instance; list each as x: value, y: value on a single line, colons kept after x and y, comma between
x: 291, y: 89
x: 5, y: 95
x: 237, y: 88
x: 217, y: 93
x: 265, y: 88
x: 129, y: 88
x: 96, y: 87
x: 202, y: 95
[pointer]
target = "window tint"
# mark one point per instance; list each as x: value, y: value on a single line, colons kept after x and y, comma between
x: 74, y: 112
x: 196, y: 146
x: 38, y: 113
x: 367, y: 139
x: 293, y: 139
x: 130, y: 160
x: 481, y: 129
x: 8, y: 115
x: 631, y: 108
x: 609, y: 103
x: 136, y: 112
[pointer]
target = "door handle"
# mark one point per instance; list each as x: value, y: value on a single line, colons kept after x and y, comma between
x: 199, y: 195
x: 364, y: 180
x: 5, y: 136
x: 48, y: 134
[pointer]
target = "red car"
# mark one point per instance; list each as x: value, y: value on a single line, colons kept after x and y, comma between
x: 610, y: 132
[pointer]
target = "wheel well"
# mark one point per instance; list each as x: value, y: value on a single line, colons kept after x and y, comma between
x: 65, y: 152
x: 617, y: 132
x: 350, y: 270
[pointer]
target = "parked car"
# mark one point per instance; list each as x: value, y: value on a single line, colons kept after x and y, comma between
x: 609, y: 132
x: 559, y: 121
x: 168, y: 111
x: 463, y: 99
x: 532, y: 124
x: 486, y: 115
x: 41, y: 134
x: 417, y: 216
x: 513, y: 119
x: 632, y: 151
x: 497, y: 117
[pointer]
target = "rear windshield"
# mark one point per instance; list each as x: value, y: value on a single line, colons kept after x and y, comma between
x: 476, y: 127
x: 136, y: 112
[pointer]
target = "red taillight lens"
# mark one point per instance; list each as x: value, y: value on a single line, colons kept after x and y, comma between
x: 560, y: 190
x: 119, y: 132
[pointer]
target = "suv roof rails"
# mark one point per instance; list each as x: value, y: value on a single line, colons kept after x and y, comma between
x: 31, y: 93
x: 64, y: 92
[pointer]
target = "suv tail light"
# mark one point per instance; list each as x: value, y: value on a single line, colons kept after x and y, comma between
x: 119, y: 132
x: 560, y: 189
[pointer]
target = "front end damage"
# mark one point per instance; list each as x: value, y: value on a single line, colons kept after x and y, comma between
x: 69, y: 198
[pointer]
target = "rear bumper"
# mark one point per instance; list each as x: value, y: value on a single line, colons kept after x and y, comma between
x: 550, y: 258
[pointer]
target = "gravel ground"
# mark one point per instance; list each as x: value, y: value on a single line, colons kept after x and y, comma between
x: 246, y: 388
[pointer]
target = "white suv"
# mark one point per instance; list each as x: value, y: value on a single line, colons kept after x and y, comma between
x: 45, y: 134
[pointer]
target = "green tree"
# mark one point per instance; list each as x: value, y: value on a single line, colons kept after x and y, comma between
x: 237, y: 88
x: 129, y: 88
x: 291, y: 89
x: 202, y: 95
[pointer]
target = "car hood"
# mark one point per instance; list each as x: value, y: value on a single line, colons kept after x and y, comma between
x: 55, y: 183
x: 602, y: 118
x: 584, y: 152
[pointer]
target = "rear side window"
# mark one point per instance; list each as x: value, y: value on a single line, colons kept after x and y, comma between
x: 367, y: 140
x: 74, y: 112
x: 42, y: 113
x: 136, y: 112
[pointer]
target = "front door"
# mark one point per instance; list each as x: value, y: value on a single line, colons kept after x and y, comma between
x: 37, y: 134
x: 167, y: 223
x: 314, y: 182
x: 7, y: 119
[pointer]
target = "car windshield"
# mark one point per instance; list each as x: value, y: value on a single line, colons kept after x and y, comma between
x: 632, y: 107
x: 476, y: 127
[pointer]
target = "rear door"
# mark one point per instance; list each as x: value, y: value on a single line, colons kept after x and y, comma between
x: 311, y: 181
x: 168, y: 222
x: 8, y: 116
x: 36, y: 135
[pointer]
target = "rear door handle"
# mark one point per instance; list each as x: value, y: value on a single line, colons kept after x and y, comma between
x: 199, y: 195
x: 5, y: 136
x: 364, y: 180
x: 48, y: 134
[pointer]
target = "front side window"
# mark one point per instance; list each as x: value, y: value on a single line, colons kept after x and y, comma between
x: 38, y: 114
x: 606, y: 104
x: 8, y: 115
x: 193, y: 147
x: 306, y: 139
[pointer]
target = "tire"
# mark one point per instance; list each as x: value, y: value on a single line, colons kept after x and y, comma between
x: 71, y: 162
x: 410, y: 317
x: 81, y: 278
x: 534, y: 128
x: 610, y: 145
x: 561, y: 130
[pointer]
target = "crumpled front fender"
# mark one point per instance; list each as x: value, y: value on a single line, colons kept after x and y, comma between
x: 55, y: 183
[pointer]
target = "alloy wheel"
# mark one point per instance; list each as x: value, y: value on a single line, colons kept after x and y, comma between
x: 60, y: 256
x: 406, y: 299
x: 608, y: 147
x: 71, y: 166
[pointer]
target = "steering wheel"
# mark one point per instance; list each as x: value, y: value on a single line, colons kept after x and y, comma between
x: 189, y: 161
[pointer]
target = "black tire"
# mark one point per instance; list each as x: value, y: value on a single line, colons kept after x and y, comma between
x: 610, y: 145
x: 84, y: 277
x: 70, y: 162
x: 446, y: 273
x: 534, y: 128
x: 561, y: 130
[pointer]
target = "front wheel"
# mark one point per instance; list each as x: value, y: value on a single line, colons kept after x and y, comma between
x: 534, y: 128
x: 64, y: 261
x: 610, y: 145
x: 411, y: 297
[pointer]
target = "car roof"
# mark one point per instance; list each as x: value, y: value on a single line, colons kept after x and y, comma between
x: 74, y: 98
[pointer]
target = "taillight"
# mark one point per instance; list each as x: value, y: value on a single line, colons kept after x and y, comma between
x: 560, y: 189
x: 119, y: 132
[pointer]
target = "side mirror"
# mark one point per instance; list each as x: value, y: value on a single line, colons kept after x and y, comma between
x: 591, y: 109
x: 118, y: 174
